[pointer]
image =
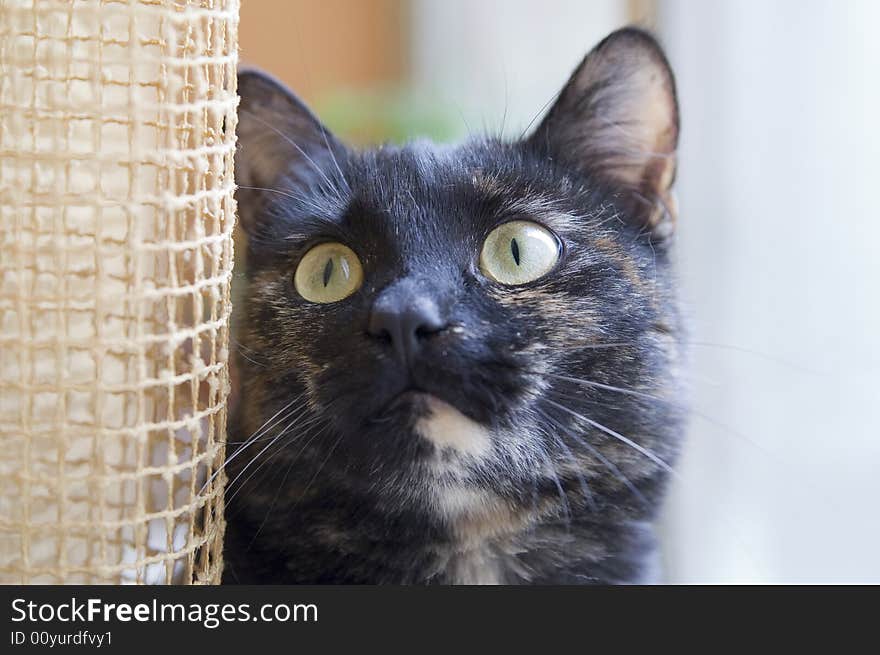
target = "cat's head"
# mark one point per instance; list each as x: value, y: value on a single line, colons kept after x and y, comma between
x: 460, y: 316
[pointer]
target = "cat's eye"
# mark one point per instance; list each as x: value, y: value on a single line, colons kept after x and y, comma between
x: 328, y: 272
x: 518, y: 252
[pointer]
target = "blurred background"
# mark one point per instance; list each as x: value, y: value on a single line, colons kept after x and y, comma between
x: 778, y: 173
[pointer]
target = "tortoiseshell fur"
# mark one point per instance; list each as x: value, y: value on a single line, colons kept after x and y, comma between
x: 558, y: 374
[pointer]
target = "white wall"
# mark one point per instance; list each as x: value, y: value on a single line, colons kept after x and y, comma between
x: 780, y: 164
x: 489, y: 57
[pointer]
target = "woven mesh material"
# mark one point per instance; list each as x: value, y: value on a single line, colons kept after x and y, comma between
x: 117, y: 123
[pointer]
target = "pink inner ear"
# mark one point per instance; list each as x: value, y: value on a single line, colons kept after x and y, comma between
x: 618, y: 117
x: 634, y: 127
x: 655, y: 137
x: 650, y: 131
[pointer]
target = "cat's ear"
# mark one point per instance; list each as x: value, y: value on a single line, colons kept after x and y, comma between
x: 617, y: 118
x: 282, y: 147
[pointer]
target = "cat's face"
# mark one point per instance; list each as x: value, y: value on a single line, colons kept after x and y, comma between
x: 457, y: 316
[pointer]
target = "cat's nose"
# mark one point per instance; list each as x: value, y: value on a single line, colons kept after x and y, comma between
x: 405, y: 320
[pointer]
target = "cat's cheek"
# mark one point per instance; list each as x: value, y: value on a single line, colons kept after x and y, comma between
x: 449, y: 429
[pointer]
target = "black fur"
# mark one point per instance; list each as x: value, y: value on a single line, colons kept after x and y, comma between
x: 559, y: 373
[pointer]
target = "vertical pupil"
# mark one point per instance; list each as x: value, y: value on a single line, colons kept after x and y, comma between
x: 514, y: 248
x: 328, y: 270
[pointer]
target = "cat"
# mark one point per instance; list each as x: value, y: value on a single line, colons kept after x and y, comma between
x: 459, y: 364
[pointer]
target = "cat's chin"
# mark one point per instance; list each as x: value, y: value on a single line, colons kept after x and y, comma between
x: 412, y: 401
x: 400, y: 412
x: 436, y: 420
x: 448, y: 429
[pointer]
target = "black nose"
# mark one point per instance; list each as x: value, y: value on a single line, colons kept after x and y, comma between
x: 405, y: 318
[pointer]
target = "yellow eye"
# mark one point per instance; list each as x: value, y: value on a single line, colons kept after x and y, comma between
x: 518, y: 252
x: 328, y: 272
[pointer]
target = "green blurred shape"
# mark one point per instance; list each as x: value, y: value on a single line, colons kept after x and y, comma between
x: 388, y: 115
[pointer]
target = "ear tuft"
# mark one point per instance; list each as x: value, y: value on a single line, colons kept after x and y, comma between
x: 617, y: 118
